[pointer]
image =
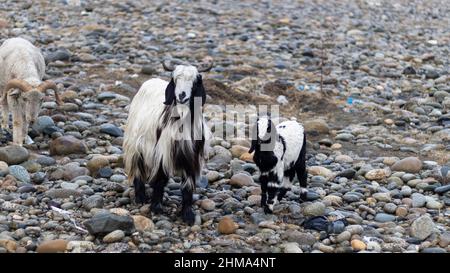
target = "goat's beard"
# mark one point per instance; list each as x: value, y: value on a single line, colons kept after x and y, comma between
x: 186, y: 127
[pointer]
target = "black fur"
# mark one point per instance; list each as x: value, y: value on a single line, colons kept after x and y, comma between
x: 266, y: 161
x: 170, y: 93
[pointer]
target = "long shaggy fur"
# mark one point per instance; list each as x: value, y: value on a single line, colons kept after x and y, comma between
x: 154, y: 147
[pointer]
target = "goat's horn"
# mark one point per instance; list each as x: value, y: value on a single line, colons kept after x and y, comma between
x: 207, y: 67
x: 19, y: 84
x: 168, y: 66
x: 50, y: 85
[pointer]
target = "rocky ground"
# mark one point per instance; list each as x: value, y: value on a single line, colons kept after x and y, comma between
x: 369, y: 80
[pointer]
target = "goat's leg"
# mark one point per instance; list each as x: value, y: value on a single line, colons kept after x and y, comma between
x: 18, y: 120
x: 158, y: 184
x: 302, y: 173
x: 272, y: 191
x: 263, y: 180
x: 5, y: 113
x: 139, y: 191
x: 287, y: 183
x: 187, y: 191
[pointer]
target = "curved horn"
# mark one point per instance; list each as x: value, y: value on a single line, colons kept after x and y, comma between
x: 19, y: 84
x: 50, y: 85
x: 203, y: 68
x: 168, y: 66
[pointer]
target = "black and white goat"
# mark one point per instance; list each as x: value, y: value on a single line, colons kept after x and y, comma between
x: 280, y: 154
x: 166, y: 136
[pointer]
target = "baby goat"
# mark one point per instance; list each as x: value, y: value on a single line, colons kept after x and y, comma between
x: 280, y: 154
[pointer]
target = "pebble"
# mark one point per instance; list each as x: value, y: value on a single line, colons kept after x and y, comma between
x: 409, y: 164
x: 102, y: 223
x: 20, y: 173
x: 314, y: 209
x: 241, y: 180
x: 66, y: 145
x: 422, y: 227
x: 13, y: 154
x: 52, y: 246
x: 114, y: 236
x: 226, y: 226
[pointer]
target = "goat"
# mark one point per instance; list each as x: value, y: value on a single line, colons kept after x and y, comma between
x: 280, y: 154
x: 154, y: 148
x: 22, y: 68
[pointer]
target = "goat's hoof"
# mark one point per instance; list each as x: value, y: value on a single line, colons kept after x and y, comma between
x: 303, y: 197
x: 156, y: 208
x: 267, y: 210
x: 188, y: 216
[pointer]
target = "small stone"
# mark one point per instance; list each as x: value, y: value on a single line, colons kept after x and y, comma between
x: 66, y: 145
x: 314, y: 209
x: 344, y: 236
x: 143, y: 223
x: 227, y: 226
x: 382, y: 196
x: 343, y: 159
x: 254, y: 199
x: 13, y: 154
x: 94, y: 201
x: 433, y: 204
x: 344, y: 137
x: 383, y: 218
x: 96, y: 163
x: 358, y: 245
x: 52, y: 246
x: 208, y: 204
x: 69, y: 186
x: 442, y: 189
x: 409, y: 165
x: 319, y: 170
x: 377, y: 174
x: 390, y: 208
x: 102, y: 223
x: 9, y: 245
x: 238, y: 150
x: 418, y: 200
x: 422, y: 227
x: 241, y: 180
x: 401, y: 211
x: 62, y: 193
x: 111, y: 130
x: 114, y: 236
x: 20, y: 173
x: 317, y: 125
x: 292, y: 248
x: 213, y: 176
x: 246, y: 157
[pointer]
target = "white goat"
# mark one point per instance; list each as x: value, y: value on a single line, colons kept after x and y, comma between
x: 155, y: 148
x: 280, y: 154
x: 22, y: 68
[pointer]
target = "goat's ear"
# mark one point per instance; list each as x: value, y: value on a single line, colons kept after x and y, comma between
x: 198, y: 90
x: 170, y: 93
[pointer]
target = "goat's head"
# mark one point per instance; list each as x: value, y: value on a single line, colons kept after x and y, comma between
x: 31, y: 97
x: 264, y: 135
x: 186, y: 83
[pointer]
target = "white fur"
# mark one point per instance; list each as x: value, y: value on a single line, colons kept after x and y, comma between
x: 184, y: 76
x: 19, y: 59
